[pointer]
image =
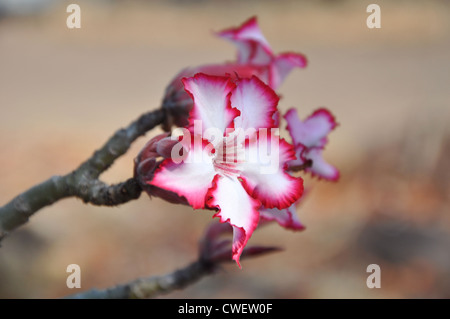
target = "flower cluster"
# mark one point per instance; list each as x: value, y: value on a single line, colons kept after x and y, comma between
x: 254, y: 58
x: 230, y: 157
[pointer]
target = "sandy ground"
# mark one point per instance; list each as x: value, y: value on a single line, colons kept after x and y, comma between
x: 64, y: 92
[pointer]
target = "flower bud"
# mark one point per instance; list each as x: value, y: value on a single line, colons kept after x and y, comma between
x: 148, y: 161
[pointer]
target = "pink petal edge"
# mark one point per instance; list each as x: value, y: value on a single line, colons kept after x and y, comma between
x: 211, y: 95
x: 242, y: 229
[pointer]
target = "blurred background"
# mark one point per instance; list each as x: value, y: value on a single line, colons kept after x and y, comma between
x: 63, y: 92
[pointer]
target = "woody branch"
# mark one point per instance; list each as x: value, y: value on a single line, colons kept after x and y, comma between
x: 83, y: 182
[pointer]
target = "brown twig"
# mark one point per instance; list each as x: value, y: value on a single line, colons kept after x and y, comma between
x: 213, y: 251
x: 83, y: 182
x: 152, y: 286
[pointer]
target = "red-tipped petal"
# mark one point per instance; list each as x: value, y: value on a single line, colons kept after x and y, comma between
x: 320, y: 167
x: 191, y: 178
x: 282, y: 65
x: 263, y: 173
x: 257, y: 103
x: 211, y: 96
x: 236, y: 207
x: 287, y: 217
x: 251, y: 43
x: 248, y: 30
x: 312, y: 131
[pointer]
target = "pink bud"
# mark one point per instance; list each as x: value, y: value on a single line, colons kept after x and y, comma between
x: 165, y: 146
x: 148, y: 161
x: 150, y: 149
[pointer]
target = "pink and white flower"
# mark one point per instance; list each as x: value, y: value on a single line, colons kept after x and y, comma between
x: 286, y: 217
x: 228, y: 171
x: 309, y: 138
x: 254, y: 49
x: 255, y: 58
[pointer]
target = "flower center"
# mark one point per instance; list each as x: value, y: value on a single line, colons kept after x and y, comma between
x: 229, y: 155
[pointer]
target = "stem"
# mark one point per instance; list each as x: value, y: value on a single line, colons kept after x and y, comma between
x: 83, y: 182
x: 151, y: 287
x: 298, y: 168
x: 17, y: 211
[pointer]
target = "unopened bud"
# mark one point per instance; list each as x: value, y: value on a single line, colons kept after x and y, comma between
x: 165, y: 147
